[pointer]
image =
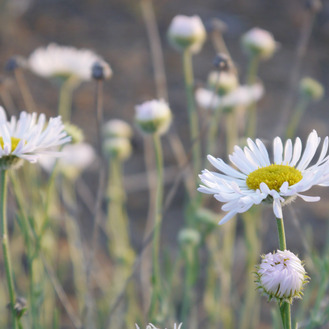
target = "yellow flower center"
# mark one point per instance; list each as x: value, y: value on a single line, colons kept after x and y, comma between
x: 14, y: 143
x: 273, y: 176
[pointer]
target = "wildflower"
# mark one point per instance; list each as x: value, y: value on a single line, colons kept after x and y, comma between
x: 116, y: 128
x: 257, y: 179
x: 311, y: 89
x: 64, y: 62
x: 222, y: 82
x: 281, y: 276
x: 258, y: 42
x: 29, y: 138
x: 117, y: 147
x: 73, y: 160
x: 243, y: 95
x: 153, y: 117
x: 187, y: 33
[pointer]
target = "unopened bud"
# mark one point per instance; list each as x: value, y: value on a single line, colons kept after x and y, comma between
x: 311, y: 89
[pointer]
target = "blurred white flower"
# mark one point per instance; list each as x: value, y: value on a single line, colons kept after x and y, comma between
x: 222, y: 82
x: 116, y: 128
x: 281, y: 276
x: 29, y: 137
x: 74, y: 159
x: 153, y: 117
x: 258, y: 180
x: 119, y: 147
x: 187, y: 32
x: 259, y: 42
x: 241, y: 96
x: 64, y: 62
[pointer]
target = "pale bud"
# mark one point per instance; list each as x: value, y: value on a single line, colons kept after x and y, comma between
x: 258, y: 42
x: 153, y: 117
x: 281, y: 276
x: 222, y: 82
x: 187, y: 33
x: 311, y: 89
x: 116, y: 128
x: 117, y: 147
x: 189, y: 236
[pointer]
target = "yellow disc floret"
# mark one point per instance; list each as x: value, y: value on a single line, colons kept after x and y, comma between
x: 14, y: 143
x: 273, y: 176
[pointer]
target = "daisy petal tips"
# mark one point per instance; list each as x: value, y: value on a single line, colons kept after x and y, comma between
x: 255, y: 179
x: 29, y: 138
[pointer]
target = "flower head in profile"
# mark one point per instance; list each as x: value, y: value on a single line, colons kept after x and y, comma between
x: 29, y: 137
x: 56, y: 61
x: 257, y: 179
x: 281, y: 276
x: 240, y: 96
x: 187, y: 32
x: 259, y: 42
x: 153, y: 117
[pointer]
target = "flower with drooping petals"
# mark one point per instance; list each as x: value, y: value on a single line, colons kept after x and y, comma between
x: 187, y: 32
x: 65, y: 62
x: 29, y: 137
x: 153, y: 117
x: 258, y: 180
x: 281, y: 276
x: 259, y: 42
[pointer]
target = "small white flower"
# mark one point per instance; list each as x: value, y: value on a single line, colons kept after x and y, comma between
x: 241, y: 96
x: 153, y: 117
x: 187, y: 32
x: 116, y: 128
x: 281, y: 276
x: 257, y: 179
x: 222, y: 82
x: 119, y: 147
x: 29, y: 137
x: 74, y: 159
x: 64, y: 61
x: 259, y: 42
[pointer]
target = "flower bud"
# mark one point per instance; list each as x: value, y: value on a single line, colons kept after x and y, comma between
x: 222, y: 82
x: 153, y: 117
x: 74, y: 132
x: 258, y: 42
x: 117, y: 147
x: 116, y: 128
x: 311, y: 89
x: 187, y: 33
x: 281, y: 276
x: 189, y: 236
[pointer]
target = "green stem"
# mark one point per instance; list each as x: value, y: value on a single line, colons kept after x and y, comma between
x: 65, y: 98
x: 252, y: 109
x: 284, y: 306
x: 299, y: 111
x: 5, y: 245
x: 192, y: 112
x: 156, y: 293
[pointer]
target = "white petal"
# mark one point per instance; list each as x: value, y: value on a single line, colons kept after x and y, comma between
x: 277, y: 150
x: 309, y: 198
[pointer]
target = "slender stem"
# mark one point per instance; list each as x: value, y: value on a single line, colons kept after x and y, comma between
x: 5, y: 244
x: 65, y: 98
x: 284, y: 307
x: 192, y: 111
x: 252, y: 110
x: 282, y: 236
x: 294, y: 122
x: 156, y: 278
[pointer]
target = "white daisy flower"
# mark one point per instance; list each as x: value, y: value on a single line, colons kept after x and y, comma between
x: 29, y: 137
x: 257, y: 179
x: 64, y: 61
x: 241, y: 96
x: 281, y: 276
